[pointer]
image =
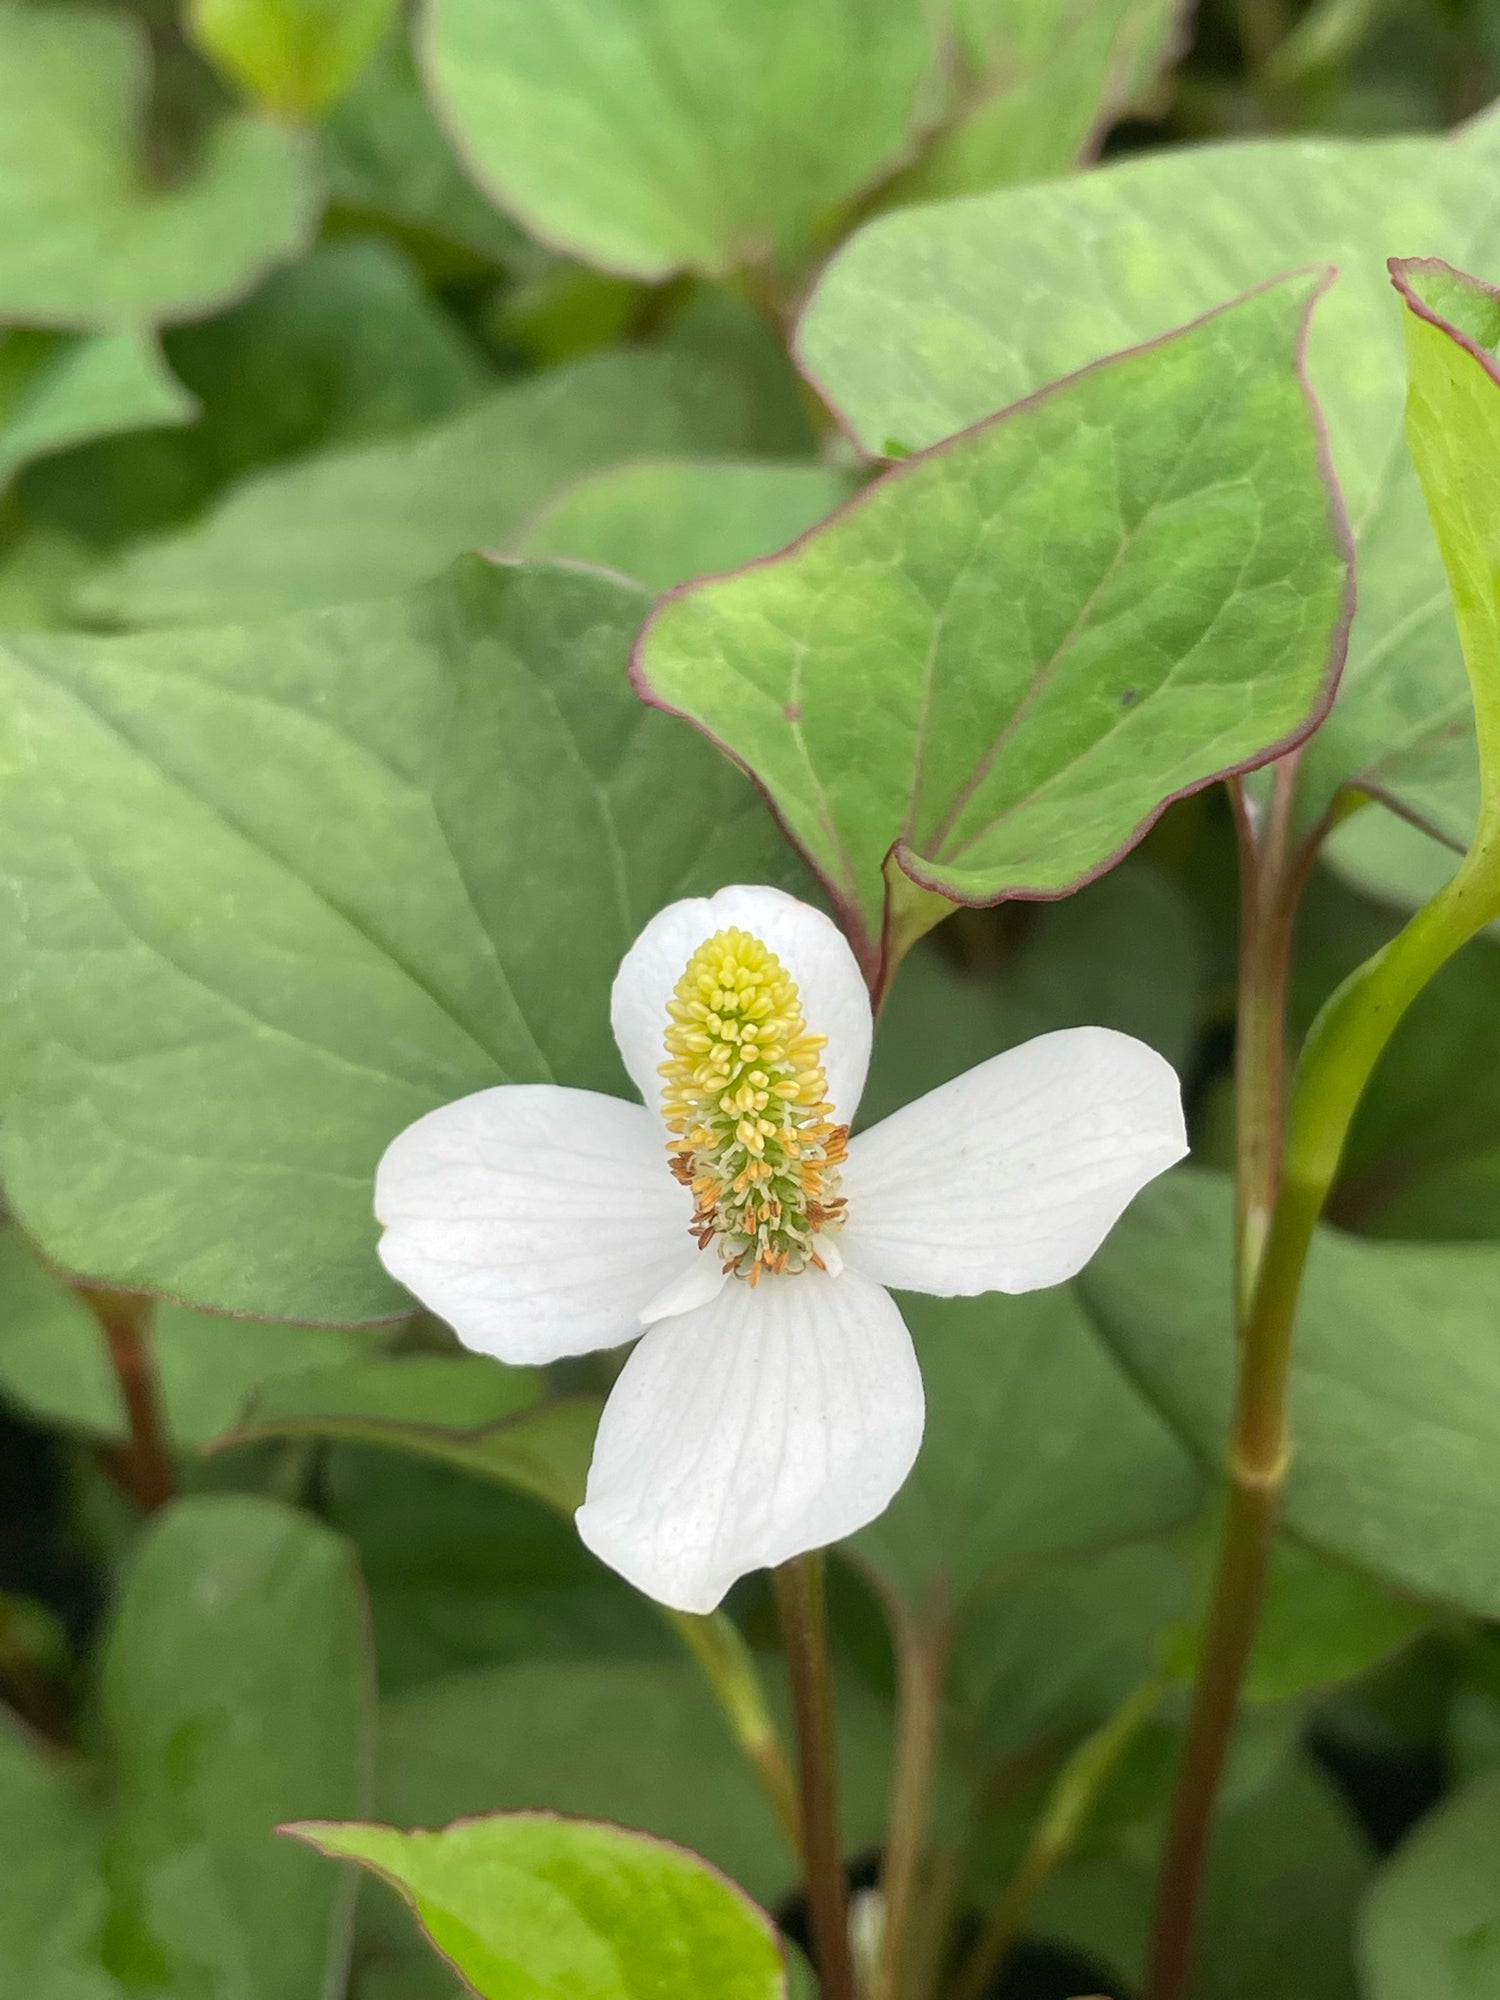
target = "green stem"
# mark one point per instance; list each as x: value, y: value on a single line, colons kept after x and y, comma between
x: 1069, y: 1804
x: 802, y: 1602
x: 718, y: 1646
x: 921, y: 1652
x: 1341, y: 1052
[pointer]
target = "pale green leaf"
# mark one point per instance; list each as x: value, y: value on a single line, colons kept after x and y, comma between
x: 1395, y: 1381
x: 650, y: 136
x: 528, y: 1905
x: 662, y: 523
x: 1039, y: 86
x: 911, y: 337
x: 295, y: 56
x: 86, y: 236
x: 999, y: 661
x: 414, y: 840
x: 357, y: 523
x: 1430, y: 1926
x: 59, y: 390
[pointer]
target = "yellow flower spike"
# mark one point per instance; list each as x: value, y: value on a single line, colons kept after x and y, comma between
x: 746, y: 1100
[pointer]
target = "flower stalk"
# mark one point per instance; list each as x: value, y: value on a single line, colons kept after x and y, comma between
x: 801, y: 1598
x: 921, y: 1657
x: 718, y: 1646
x: 143, y: 1468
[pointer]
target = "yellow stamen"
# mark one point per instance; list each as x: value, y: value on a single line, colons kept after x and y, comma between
x: 746, y: 1102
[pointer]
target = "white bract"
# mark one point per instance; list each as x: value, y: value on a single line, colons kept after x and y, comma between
x: 773, y: 1404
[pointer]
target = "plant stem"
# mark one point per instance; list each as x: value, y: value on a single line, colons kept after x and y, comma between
x: 801, y: 1599
x: 144, y: 1467
x: 921, y: 1651
x: 1341, y: 1052
x: 718, y: 1646
x: 1069, y: 1803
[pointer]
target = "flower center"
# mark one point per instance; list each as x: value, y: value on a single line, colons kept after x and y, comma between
x: 746, y: 1101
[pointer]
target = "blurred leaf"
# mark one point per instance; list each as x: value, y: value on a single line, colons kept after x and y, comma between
x: 358, y: 523
x: 228, y: 853
x: 56, y: 1904
x: 529, y: 1904
x: 1287, y: 1870
x: 1040, y: 84
x: 1423, y: 1158
x: 999, y: 663
x: 674, y: 135
x: 296, y: 56
x: 1388, y: 859
x: 911, y: 338
x: 1430, y: 1927
x: 465, y: 1571
x: 640, y: 1742
x: 386, y: 156
x: 39, y: 573
x: 235, y: 1695
x: 1053, y: 1651
x: 57, y: 390
x: 86, y: 237
x: 1035, y: 1444
x: 662, y: 523
x: 339, y: 348
x: 469, y: 1413
x: 1323, y: 1623
x: 1123, y: 953
x: 1395, y: 1381
x: 53, y: 1362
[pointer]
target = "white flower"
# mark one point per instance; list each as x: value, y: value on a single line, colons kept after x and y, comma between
x: 774, y: 1404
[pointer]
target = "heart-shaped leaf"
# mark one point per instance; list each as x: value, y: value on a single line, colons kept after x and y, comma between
x: 525, y: 1904
x: 412, y: 841
x: 650, y: 136
x: 995, y: 667
x: 86, y: 237
x: 911, y: 337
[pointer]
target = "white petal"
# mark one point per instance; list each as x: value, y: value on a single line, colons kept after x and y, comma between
x: 1010, y: 1177
x: 537, y: 1221
x: 776, y: 1420
x: 701, y: 1282
x: 835, y: 1000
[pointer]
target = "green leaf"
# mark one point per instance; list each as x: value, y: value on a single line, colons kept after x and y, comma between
x: 88, y: 237
x: 236, y: 1695
x: 467, y: 1571
x: 55, y: 1903
x: 342, y: 347
x: 1035, y: 1443
x: 1453, y: 428
x: 999, y: 662
x: 911, y: 338
x: 1430, y: 1926
x: 1388, y: 859
x: 637, y: 1741
x: 663, y: 523
x: 53, y: 1362
x: 1395, y: 1381
x: 651, y: 136
x: 1423, y: 1158
x: 387, y: 822
x: 386, y: 158
x: 58, y: 390
x: 469, y: 1413
x: 362, y: 522
x: 1323, y: 1623
x: 39, y: 573
x: 296, y: 56
x: 1287, y: 1871
x: 527, y: 1905
x: 1039, y: 86
x: 1124, y: 953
